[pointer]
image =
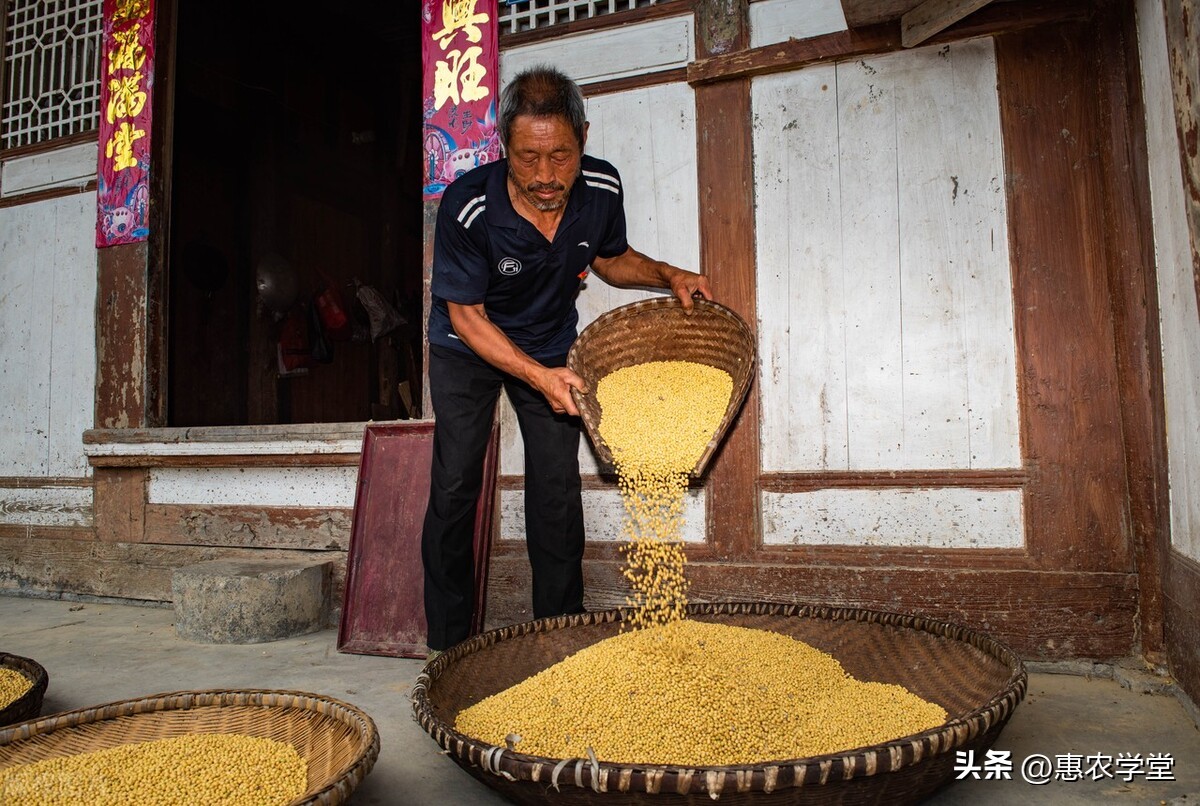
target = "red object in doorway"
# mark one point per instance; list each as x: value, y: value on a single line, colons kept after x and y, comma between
x: 332, y: 310
x: 383, y: 610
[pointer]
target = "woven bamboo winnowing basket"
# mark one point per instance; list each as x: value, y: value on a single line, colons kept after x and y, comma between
x: 978, y: 680
x: 29, y: 704
x: 659, y: 330
x: 339, y: 742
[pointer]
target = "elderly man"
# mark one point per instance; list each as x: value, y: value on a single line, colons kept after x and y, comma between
x: 514, y: 241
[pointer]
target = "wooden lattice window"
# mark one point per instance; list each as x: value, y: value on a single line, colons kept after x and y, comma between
x: 51, y: 70
x: 527, y: 15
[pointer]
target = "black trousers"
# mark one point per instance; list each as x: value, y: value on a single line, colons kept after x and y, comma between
x: 464, y: 389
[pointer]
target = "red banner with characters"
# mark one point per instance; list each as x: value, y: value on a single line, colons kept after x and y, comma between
x: 461, y: 87
x: 126, y: 80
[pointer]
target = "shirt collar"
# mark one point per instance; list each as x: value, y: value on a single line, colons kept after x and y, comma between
x: 502, y: 213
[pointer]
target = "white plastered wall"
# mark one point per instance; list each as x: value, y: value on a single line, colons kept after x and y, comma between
x: 47, y: 340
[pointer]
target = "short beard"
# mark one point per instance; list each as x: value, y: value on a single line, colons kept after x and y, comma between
x: 538, y: 204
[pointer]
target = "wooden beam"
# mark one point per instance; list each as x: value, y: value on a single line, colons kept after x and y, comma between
x: 884, y: 38
x: 934, y: 16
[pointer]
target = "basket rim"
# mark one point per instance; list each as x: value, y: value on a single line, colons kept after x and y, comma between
x: 741, y: 384
x: 39, y: 679
x: 860, y: 762
x: 340, y: 710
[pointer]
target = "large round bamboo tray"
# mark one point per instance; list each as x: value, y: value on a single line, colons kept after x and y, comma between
x: 339, y: 741
x: 659, y: 330
x: 29, y: 704
x: 978, y: 680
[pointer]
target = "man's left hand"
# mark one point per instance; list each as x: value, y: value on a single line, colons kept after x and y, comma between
x: 687, y: 284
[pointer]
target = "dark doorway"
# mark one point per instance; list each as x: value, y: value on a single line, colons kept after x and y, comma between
x: 295, y: 249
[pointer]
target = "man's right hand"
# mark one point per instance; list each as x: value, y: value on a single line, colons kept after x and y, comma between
x: 556, y: 383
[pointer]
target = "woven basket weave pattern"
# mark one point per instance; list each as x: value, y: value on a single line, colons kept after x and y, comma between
x: 338, y: 741
x: 976, y: 679
x: 659, y: 330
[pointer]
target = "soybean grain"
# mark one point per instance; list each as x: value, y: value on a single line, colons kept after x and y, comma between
x: 694, y: 693
x: 657, y: 418
x: 13, y: 686
x: 202, y: 769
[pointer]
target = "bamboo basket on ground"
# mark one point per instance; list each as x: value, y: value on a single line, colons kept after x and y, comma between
x: 659, y: 330
x: 978, y: 680
x: 339, y: 742
x: 29, y: 704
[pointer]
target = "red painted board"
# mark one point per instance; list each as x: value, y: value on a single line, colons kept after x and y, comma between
x: 383, y: 611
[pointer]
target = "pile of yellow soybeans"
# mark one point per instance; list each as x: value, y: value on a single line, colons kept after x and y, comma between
x: 694, y: 693
x: 201, y: 769
x: 13, y: 686
x: 675, y: 690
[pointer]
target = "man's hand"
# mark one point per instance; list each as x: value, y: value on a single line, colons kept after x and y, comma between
x: 686, y: 284
x: 556, y: 383
x: 632, y: 269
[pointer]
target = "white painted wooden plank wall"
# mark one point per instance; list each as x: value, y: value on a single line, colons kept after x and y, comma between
x: 48, y: 336
x: 1180, y: 321
x: 73, y: 166
x: 51, y: 506
x: 627, y: 50
x: 332, y: 487
x: 952, y: 517
x: 885, y: 304
x: 774, y: 21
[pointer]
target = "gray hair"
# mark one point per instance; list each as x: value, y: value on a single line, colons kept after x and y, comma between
x: 542, y: 92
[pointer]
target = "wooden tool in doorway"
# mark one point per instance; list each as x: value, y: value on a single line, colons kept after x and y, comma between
x: 383, y: 611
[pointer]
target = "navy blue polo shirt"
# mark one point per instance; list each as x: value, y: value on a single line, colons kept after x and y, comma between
x: 484, y: 252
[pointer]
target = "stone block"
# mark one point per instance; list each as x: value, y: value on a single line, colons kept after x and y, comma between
x: 249, y: 601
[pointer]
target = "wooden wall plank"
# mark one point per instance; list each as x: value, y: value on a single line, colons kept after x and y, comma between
x: 47, y: 344
x: 121, y: 337
x: 932, y: 16
x: 774, y: 21
x: 1182, y: 620
x: 72, y: 367
x: 1133, y: 281
x: 648, y: 47
x: 330, y: 487
x: 869, y: 228
x: 802, y: 343
x: 258, y: 528
x: 886, y: 325
x: 726, y: 178
x: 26, y: 253
x: 936, y: 518
x: 1077, y: 505
x: 726, y: 65
x: 120, y: 504
x: 1182, y: 35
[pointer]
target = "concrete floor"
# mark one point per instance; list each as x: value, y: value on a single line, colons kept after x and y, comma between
x: 98, y: 652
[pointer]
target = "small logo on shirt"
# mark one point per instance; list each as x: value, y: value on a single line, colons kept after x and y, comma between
x: 509, y: 265
x: 585, y: 244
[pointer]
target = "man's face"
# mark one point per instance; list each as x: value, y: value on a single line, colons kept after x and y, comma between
x: 543, y: 160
